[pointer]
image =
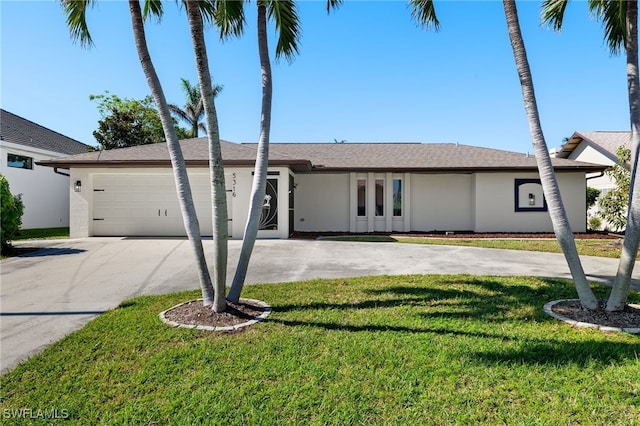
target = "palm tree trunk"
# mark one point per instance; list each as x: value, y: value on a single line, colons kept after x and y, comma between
x: 622, y: 285
x: 558, y: 215
x: 177, y: 160
x: 216, y: 166
x: 262, y: 161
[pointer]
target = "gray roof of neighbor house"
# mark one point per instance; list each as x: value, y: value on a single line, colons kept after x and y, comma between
x: 605, y: 142
x: 307, y: 157
x: 21, y: 131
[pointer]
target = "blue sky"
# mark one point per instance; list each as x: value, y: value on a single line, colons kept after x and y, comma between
x: 365, y: 73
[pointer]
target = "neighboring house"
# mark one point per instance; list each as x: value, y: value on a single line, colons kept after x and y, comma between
x: 350, y: 187
x: 45, y: 194
x: 598, y: 148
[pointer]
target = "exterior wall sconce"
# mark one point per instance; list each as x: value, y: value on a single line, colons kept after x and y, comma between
x: 77, y: 186
x: 532, y: 199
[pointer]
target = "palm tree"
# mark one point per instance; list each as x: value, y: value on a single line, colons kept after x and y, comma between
x: 193, y: 110
x: 424, y: 12
x: 286, y: 19
x: 76, y: 20
x: 620, y: 20
x: 558, y: 215
x: 622, y: 285
x: 195, y: 15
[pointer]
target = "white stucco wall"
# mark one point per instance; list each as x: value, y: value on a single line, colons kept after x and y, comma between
x: 441, y: 202
x: 495, y: 203
x: 483, y: 202
x: 45, y: 194
x: 587, y: 153
x: 238, y: 183
x: 322, y: 202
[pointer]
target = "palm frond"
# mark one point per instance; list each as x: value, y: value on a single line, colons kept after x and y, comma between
x: 179, y: 112
x: 285, y: 17
x: 425, y: 14
x: 613, y: 15
x: 76, y: 13
x: 152, y: 8
x: 228, y: 16
x: 553, y: 13
x: 217, y: 88
x: 333, y: 4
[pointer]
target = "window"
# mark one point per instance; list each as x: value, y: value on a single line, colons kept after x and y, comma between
x: 397, y: 197
x: 362, y: 197
x: 19, y: 161
x: 529, y: 196
x: 379, y: 197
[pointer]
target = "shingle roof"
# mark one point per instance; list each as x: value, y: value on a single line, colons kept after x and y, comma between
x: 605, y: 142
x: 303, y: 157
x: 18, y: 130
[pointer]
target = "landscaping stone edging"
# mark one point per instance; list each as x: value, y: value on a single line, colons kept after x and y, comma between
x: 267, y: 311
x: 549, y: 311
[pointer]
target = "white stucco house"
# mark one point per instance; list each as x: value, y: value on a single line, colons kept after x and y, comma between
x: 45, y: 194
x: 323, y: 187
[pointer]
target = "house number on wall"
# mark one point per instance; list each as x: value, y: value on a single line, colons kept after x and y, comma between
x: 233, y: 185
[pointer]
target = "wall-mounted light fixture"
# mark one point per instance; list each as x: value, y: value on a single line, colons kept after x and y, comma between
x: 532, y: 199
x: 77, y: 186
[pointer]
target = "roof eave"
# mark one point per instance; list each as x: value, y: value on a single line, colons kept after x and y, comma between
x: 297, y: 165
x: 497, y: 169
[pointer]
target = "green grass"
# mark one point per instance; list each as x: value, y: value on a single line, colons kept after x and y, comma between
x: 586, y: 247
x: 407, y: 350
x: 42, y: 234
x: 34, y: 234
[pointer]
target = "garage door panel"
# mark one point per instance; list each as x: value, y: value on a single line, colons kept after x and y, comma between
x: 147, y: 205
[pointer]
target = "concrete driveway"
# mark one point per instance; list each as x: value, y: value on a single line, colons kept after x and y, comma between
x: 51, y: 292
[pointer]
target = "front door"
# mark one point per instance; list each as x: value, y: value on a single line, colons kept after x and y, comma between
x: 269, y: 216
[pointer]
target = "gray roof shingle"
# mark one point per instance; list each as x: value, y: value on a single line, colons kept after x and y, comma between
x: 605, y: 142
x: 303, y: 157
x: 21, y: 131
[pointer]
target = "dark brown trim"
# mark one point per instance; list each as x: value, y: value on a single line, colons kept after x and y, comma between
x: 305, y: 167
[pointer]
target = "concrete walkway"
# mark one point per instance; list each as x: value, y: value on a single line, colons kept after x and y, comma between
x: 51, y: 292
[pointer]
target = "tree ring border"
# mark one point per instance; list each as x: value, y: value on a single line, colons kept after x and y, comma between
x: 580, y: 324
x: 262, y: 316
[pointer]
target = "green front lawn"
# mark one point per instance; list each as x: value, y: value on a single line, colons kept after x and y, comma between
x: 586, y: 247
x: 42, y: 234
x: 602, y: 248
x: 376, y: 350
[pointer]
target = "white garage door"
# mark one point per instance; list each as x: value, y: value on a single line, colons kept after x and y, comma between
x: 147, y: 205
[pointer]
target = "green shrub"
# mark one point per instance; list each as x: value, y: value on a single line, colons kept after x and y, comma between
x: 592, y: 196
x: 595, y: 223
x: 11, y: 210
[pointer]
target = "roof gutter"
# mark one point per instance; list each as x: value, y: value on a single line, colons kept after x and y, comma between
x: 596, y: 176
x: 55, y: 170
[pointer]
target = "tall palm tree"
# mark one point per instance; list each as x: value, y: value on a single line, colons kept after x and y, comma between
x: 424, y: 12
x: 193, y: 110
x: 75, y: 12
x: 195, y: 15
x: 620, y: 21
x: 285, y: 17
x: 622, y: 285
x: 558, y: 215
x: 286, y: 20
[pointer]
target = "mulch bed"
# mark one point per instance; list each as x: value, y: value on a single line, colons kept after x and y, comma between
x: 457, y: 234
x: 195, y: 313
x: 572, y: 309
